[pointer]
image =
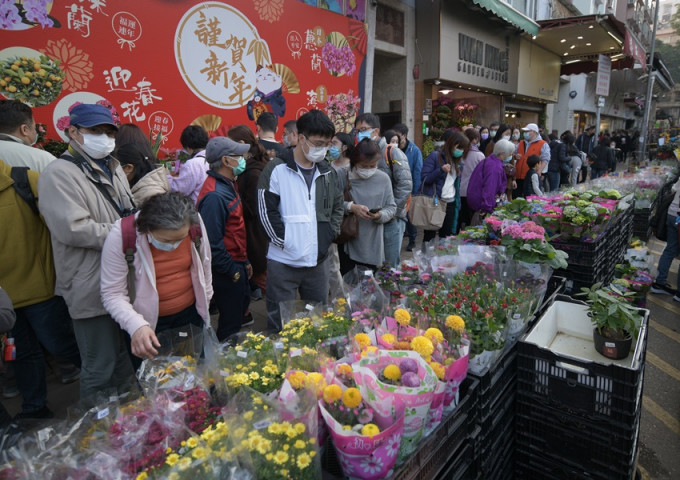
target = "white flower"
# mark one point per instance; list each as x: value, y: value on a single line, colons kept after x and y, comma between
x: 371, y: 465
x: 346, y: 465
x: 393, y: 445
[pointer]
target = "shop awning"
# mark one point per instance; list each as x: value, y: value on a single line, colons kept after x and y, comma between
x: 509, y: 14
x: 579, y: 40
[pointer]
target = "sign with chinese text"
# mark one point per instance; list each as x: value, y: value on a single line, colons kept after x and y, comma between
x: 604, y: 73
x: 164, y: 65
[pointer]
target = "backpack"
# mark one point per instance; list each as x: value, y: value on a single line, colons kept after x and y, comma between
x: 23, y: 187
x: 129, y: 235
x: 387, y: 154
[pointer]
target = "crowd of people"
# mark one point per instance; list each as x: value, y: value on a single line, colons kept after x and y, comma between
x: 108, y: 248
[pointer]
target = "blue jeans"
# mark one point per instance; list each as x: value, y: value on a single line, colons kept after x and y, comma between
x: 554, y: 178
x: 669, y: 253
x: 393, y: 234
x: 48, y: 324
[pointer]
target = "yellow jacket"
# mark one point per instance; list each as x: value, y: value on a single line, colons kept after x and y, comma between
x: 27, y: 265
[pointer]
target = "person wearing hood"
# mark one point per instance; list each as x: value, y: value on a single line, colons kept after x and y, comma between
x: 145, y: 177
x: 395, y: 164
x: 82, y: 194
x: 301, y: 208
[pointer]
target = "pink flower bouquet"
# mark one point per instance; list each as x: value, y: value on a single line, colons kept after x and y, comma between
x: 417, y: 398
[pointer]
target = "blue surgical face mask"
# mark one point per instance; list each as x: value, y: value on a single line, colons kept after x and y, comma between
x: 366, y: 134
x: 515, y: 136
x: 527, y: 136
x: 508, y: 159
x: 166, y: 247
x: 238, y: 170
x: 334, y: 152
x: 457, y: 153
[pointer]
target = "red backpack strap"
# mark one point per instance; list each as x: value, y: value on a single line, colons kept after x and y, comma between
x: 195, y: 234
x: 129, y: 235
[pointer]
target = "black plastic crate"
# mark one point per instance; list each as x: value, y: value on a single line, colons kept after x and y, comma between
x: 555, y: 286
x: 610, y: 466
x: 494, y: 382
x: 434, y: 451
x: 500, y: 409
x: 495, y: 461
x: 576, y: 440
x: 460, y: 465
x: 606, y: 392
x: 530, y: 466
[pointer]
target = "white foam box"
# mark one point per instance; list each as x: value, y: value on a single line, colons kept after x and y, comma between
x: 566, y: 330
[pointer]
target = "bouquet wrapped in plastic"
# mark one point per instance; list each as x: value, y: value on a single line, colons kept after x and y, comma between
x: 415, y: 390
x: 366, y: 299
x: 256, y: 362
x: 366, y: 435
x: 272, y: 446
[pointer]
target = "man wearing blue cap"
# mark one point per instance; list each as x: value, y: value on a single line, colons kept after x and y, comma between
x: 82, y: 194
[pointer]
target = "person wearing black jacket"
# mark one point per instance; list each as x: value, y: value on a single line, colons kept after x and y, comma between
x: 558, y: 161
x: 602, y: 159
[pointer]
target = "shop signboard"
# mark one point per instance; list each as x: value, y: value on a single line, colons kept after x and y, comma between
x: 164, y: 65
x: 474, y: 54
x: 604, y: 72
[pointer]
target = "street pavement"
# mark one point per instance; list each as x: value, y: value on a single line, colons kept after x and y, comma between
x: 659, y: 451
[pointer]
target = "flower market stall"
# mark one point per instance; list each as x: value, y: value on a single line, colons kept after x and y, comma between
x: 424, y: 371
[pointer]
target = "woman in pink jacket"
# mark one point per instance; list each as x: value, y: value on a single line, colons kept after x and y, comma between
x: 173, y: 280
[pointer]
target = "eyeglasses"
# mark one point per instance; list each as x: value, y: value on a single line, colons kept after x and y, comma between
x: 366, y: 129
x: 321, y: 143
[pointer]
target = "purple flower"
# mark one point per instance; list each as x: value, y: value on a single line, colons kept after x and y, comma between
x: 410, y: 379
x: 408, y: 365
x: 9, y: 16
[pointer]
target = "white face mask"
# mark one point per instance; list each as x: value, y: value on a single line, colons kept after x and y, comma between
x: 315, y: 154
x: 365, y: 172
x: 506, y: 137
x: 166, y: 247
x: 98, y: 146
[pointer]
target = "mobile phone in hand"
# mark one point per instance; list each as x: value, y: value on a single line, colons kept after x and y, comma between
x: 375, y: 210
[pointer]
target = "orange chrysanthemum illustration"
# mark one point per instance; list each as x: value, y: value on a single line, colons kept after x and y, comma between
x: 75, y: 63
x: 269, y: 10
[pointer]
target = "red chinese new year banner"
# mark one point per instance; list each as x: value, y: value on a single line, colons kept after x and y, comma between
x: 165, y: 64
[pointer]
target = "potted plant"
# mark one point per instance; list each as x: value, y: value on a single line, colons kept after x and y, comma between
x: 616, y: 320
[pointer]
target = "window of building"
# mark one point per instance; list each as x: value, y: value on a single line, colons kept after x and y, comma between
x: 389, y: 25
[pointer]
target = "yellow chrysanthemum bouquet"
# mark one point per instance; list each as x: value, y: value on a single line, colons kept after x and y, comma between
x: 366, y: 440
x: 275, y: 442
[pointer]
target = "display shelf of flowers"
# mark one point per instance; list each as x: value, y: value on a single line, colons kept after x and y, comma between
x: 264, y: 405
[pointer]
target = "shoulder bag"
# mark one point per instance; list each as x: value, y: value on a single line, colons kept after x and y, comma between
x: 427, y: 211
x: 349, y: 228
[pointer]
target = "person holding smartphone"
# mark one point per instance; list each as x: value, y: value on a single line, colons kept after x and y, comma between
x: 372, y: 203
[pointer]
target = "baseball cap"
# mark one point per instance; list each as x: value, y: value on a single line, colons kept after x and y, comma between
x: 88, y: 115
x: 531, y: 126
x: 218, y: 147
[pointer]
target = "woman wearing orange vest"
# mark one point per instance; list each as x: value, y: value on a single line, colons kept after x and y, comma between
x: 533, y: 144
